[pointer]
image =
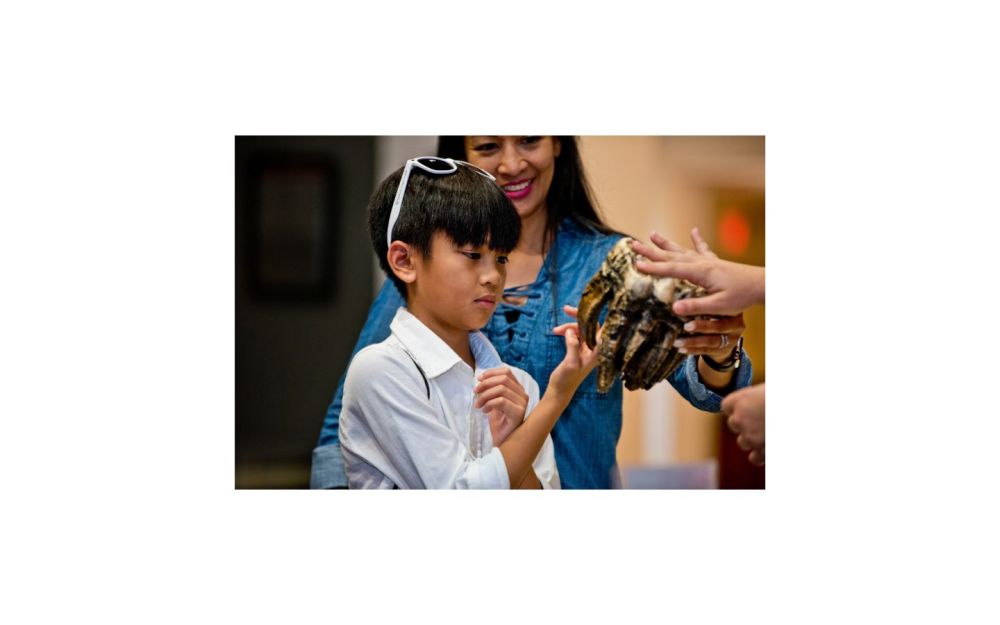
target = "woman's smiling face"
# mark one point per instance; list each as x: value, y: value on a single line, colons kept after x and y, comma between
x: 523, y: 167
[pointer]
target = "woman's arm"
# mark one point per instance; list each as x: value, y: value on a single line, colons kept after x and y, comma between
x: 688, y: 382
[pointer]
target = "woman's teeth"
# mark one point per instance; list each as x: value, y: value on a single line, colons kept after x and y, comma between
x: 517, y: 187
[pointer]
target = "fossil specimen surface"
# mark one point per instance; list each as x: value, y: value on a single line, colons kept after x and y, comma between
x: 638, y: 334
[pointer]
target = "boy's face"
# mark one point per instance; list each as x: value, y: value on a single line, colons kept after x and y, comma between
x: 458, y: 286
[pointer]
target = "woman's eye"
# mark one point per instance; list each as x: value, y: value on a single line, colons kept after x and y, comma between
x: 485, y: 147
x: 531, y: 140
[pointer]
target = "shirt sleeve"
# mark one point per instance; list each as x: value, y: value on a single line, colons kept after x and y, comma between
x: 327, y: 461
x: 688, y: 383
x: 389, y: 424
x: 544, y: 464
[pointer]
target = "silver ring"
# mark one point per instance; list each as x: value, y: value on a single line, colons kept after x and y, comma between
x: 725, y: 340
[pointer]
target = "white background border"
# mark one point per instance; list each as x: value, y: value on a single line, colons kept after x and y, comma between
x: 118, y: 351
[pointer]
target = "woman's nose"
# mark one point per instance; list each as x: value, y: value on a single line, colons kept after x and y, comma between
x: 511, y: 163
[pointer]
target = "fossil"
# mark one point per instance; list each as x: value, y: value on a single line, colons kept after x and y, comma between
x: 639, y: 332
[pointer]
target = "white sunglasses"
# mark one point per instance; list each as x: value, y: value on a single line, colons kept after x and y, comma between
x: 432, y: 165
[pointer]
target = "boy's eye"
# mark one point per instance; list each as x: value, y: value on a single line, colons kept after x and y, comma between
x: 502, y: 260
x: 473, y: 255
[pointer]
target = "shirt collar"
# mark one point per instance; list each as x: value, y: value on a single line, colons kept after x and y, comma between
x: 483, y: 351
x: 432, y: 353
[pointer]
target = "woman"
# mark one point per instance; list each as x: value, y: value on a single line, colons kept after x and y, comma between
x: 563, y: 243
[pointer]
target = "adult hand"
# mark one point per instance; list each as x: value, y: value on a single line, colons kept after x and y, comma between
x: 502, y: 398
x: 745, y: 411
x: 708, y: 337
x: 579, y: 361
x: 732, y: 287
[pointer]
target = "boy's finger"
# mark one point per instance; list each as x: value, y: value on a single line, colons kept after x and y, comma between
x: 493, y: 404
x: 497, y: 371
x: 572, y: 347
x: 497, y: 382
x: 570, y: 310
x: 561, y: 329
x: 493, y: 393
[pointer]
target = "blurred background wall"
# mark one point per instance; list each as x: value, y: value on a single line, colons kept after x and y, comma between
x: 305, y: 276
x: 303, y: 286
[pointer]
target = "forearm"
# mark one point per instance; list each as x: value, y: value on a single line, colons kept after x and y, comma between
x: 758, y: 285
x: 530, y: 481
x: 521, y: 447
x: 715, y: 380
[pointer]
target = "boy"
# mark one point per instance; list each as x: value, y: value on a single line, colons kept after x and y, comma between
x: 430, y: 407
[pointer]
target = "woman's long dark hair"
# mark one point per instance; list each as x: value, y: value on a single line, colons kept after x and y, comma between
x: 569, y: 195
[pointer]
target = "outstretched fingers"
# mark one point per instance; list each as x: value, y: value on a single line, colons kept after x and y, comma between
x: 673, y: 269
x: 560, y: 329
x: 650, y: 252
x: 666, y: 244
x: 700, y: 244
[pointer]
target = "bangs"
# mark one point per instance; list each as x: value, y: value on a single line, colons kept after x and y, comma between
x: 469, y: 207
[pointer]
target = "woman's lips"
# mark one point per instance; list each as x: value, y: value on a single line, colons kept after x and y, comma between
x: 519, y: 189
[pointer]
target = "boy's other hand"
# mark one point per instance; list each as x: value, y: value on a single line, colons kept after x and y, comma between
x: 579, y: 361
x: 502, y: 398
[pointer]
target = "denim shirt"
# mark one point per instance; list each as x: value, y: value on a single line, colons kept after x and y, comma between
x: 586, y: 435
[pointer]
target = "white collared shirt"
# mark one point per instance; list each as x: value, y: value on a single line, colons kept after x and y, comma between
x: 391, y: 434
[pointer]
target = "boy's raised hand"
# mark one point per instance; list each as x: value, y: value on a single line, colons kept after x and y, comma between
x: 579, y: 361
x: 502, y: 398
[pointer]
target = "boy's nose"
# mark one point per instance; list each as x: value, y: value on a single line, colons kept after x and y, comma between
x: 491, y: 277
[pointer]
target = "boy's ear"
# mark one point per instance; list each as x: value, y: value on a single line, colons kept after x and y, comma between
x: 401, y: 260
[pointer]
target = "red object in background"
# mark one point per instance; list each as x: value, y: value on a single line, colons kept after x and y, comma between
x: 734, y: 232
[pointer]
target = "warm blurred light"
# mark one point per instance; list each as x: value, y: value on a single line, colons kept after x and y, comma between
x: 734, y: 232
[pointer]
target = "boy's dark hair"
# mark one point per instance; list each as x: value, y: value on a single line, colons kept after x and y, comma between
x: 570, y: 194
x: 465, y: 205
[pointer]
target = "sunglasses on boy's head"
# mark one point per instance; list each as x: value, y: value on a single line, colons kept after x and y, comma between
x: 431, y: 165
